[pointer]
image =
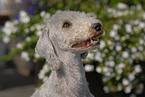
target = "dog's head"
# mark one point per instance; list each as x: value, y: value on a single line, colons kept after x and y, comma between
x: 70, y: 30
x: 74, y: 30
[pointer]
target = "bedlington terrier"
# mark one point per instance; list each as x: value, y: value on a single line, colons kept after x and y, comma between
x: 66, y: 38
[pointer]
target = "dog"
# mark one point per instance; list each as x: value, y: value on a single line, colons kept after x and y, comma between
x: 66, y: 38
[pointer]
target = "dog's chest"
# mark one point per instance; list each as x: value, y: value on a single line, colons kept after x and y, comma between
x: 70, y: 86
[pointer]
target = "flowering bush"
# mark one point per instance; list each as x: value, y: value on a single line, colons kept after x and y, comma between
x: 28, y: 28
x: 119, y: 53
x: 121, y: 50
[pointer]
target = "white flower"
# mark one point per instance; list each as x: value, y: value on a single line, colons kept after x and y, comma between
x: 8, y: 24
x: 118, y: 48
x: 38, y: 33
x: 119, y: 13
x: 131, y: 77
x: 125, y: 81
x: 141, y: 48
x: 19, y: 45
x: 106, y: 50
x: 42, y: 73
x: 14, y: 30
x: 89, y: 68
x: 122, y: 6
x: 121, y: 65
x: 127, y: 36
x: 109, y: 10
x: 15, y: 22
x: 139, y: 6
x: 143, y: 15
x: 109, y: 42
x: 28, y: 39
x: 117, y: 37
x: 133, y: 56
x: 90, y: 56
x: 42, y: 14
x: 142, y: 25
x: 25, y: 56
x: 108, y: 74
x: 137, y: 21
x: 98, y: 57
x: 98, y: 69
x: 141, y: 41
x: 116, y: 26
x: 24, y: 18
x: 128, y: 28
x: 105, y: 69
x: 106, y: 89
x: 119, y: 86
x: 102, y: 44
x: 9, y: 28
x: 32, y: 28
x: 125, y: 54
x: 133, y: 49
x: 6, y: 39
x: 138, y: 68
x: 119, y: 71
x: 45, y: 67
x: 111, y: 63
x: 47, y: 15
x: 123, y: 38
x: 26, y: 30
x: 36, y: 55
x: 127, y: 89
x: 38, y: 26
x: 113, y: 33
x: 126, y: 12
x: 7, y: 31
x: 23, y: 13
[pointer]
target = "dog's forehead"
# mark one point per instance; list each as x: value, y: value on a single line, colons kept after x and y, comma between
x: 71, y: 16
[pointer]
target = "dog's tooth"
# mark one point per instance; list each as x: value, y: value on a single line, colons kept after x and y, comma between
x: 95, y: 42
x: 91, y: 41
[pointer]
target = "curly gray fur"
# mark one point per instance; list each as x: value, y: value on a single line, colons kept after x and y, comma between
x: 68, y: 76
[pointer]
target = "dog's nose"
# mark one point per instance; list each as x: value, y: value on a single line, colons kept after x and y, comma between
x: 97, y: 26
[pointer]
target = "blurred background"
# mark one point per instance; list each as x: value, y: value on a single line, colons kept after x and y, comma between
x: 115, y: 69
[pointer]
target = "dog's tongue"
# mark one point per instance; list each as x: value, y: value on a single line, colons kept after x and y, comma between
x: 88, y: 43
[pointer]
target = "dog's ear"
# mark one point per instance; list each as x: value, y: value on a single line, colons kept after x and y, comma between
x: 45, y: 49
x: 44, y: 46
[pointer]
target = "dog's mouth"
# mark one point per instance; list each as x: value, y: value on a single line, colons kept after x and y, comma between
x: 92, y: 42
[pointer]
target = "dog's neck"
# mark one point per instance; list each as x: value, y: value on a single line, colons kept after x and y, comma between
x: 71, y: 72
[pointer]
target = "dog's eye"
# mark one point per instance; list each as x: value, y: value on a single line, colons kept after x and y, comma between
x: 66, y: 24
